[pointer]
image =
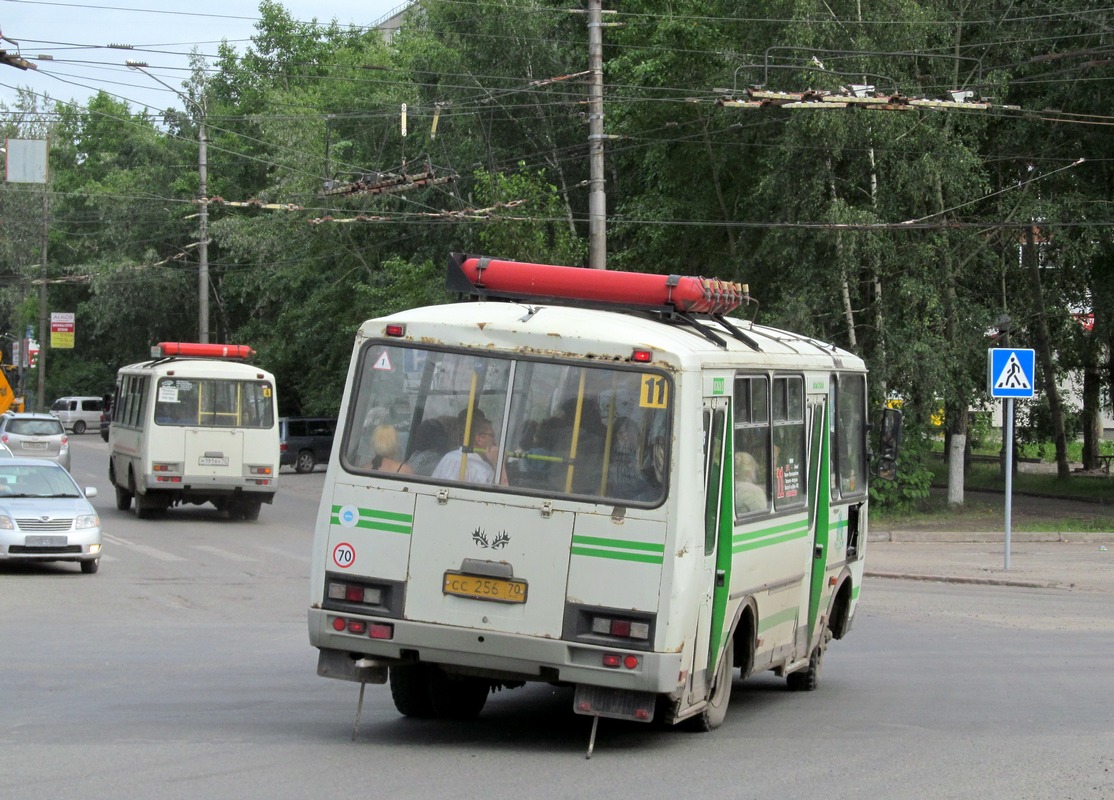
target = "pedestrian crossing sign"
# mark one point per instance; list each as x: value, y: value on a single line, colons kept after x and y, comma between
x: 1011, y: 373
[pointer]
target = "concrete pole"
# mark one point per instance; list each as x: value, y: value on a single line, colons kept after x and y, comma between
x: 597, y: 198
x: 44, y: 322
x: 203, y: 233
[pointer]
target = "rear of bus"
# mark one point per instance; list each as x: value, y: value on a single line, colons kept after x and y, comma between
x: 495, y: 510
x: 193, y: 431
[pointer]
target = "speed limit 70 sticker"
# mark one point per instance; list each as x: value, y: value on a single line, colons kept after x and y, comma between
x: 344, y: 555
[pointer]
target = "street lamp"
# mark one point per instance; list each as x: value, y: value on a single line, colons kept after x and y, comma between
x: 203, y: 215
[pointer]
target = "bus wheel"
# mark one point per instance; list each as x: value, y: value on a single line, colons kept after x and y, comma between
x: 123, y: 498
x: 805, y: 680
x: 250, y: 509
x: 457, y: 698
x: 410, y: 690
x: 715, y: 712
x: 147, y: 505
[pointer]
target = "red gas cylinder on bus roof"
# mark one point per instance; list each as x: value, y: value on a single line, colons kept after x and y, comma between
x: 683, y: 293
x: 198, y: 350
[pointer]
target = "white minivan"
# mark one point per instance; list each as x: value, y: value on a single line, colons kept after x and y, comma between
x: 78, y: 413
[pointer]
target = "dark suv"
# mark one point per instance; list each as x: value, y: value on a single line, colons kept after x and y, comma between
x: 304, y: 442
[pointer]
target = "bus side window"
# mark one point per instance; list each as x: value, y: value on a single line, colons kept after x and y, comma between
x: 849, y: 440
x: 788, y: 412
x: 752, y: 444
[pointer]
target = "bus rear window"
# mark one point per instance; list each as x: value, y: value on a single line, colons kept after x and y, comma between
x: 534, y: 426
x: 214, y: 403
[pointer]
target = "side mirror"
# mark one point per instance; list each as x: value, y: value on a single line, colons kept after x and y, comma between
x: 886, y: 469
x: 889, y: 444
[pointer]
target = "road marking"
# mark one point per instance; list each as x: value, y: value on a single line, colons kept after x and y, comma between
x: 304, y: 559
x: 159, y: 555
x: 227, y: 555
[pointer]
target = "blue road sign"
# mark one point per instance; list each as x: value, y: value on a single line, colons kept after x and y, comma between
x: 1011, y: 372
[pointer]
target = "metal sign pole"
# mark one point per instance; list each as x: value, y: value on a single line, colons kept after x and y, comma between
x: 1009, y: 473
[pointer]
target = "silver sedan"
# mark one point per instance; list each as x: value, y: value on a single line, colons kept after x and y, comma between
x: 45, y: 516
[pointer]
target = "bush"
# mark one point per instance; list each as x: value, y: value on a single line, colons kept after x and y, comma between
x: 914, y: 476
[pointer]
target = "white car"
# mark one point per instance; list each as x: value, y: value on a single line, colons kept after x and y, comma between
x: 45, y: 516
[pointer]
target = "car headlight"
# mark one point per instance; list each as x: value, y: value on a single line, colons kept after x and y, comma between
x: 6, y: 523
x: 85, y: 521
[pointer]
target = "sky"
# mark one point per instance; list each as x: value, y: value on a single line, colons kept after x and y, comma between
x: 161, y: 32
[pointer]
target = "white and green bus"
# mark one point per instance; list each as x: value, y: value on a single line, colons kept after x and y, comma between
x: 640, y: 498
x: 194, y: 424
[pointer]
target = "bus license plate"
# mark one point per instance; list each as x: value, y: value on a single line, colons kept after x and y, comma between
x: 481, y: 587
x: 210, y: 461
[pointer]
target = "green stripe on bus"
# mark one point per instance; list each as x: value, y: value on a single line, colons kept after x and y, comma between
x: 592, y: 552
x: 377, y: 514
x: 621, y: 544
x: 376, y: 520
x: 382, y: 526
x: 742, y: 547
x: 780, y: 618
x: 788, y: 526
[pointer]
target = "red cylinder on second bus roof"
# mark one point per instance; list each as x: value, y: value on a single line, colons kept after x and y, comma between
x: 695, y: 295
x: 199, y: 350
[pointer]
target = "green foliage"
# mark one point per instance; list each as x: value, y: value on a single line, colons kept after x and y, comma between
x: 1034, y: 426
x: 913, y: 481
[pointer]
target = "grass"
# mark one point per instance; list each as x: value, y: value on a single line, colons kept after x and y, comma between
x: 1040, y: 502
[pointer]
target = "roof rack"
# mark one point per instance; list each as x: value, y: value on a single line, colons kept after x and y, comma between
x: 673, y: 299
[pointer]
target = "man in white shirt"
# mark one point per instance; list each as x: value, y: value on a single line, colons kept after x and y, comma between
x: 481, y: 458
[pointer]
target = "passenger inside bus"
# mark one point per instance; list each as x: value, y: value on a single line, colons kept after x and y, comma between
x: 384, y: 445
x: 428, y: 444
x: 749, y: 495
x: 474, y: 464
x: 625, y: 477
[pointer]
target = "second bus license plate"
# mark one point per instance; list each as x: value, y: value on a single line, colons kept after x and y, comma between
x: 482, y: 587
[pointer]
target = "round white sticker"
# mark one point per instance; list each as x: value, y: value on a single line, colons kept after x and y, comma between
x: 348, y: 516
x: 344, y: 555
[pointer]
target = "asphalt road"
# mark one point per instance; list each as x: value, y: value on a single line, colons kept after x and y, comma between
x: 182, y: 670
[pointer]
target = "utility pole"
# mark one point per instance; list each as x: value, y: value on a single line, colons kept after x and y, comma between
x: 203, y: 205
x: 597, y: 198
x: 44, y: 323
x: 202, y: 231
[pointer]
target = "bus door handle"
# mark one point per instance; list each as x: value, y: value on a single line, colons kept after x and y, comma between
x: 818, y: 551
x: 721, y: 578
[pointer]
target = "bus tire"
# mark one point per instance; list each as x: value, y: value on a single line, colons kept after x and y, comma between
x: 457, y: 698
x: 123, y: 498
x: 147, y: 505
x: 806, y: 680
x: 410, y: 690
x: 250, y: 509
x: 715, y: 712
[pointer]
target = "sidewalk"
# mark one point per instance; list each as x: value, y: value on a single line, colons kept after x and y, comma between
x: 1079, y: 561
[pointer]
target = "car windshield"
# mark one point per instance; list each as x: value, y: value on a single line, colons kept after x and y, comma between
x: 34, y: 480
x: 35, y: 427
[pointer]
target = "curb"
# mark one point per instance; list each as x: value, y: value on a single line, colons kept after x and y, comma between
x: 908, y: 576
x: 977, y: 537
